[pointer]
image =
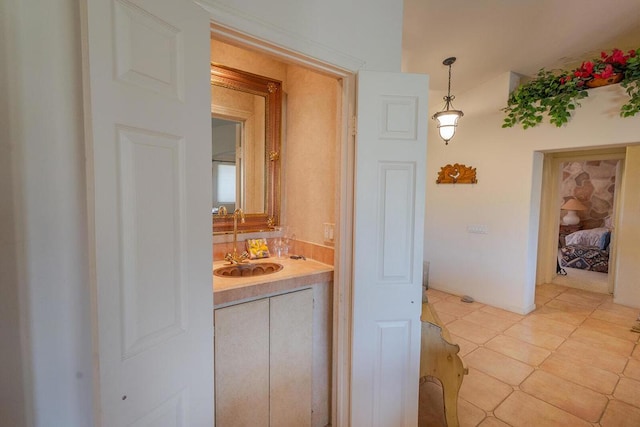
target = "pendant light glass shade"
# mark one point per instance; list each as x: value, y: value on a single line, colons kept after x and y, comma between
x: 447, y: 122
x: 448, y: 118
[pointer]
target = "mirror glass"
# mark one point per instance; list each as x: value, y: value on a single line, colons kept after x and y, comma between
x: 238, y: 141
x: 228, y: 137
x: 245, y: 124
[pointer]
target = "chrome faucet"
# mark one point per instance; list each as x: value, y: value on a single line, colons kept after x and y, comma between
x: 233, y: 257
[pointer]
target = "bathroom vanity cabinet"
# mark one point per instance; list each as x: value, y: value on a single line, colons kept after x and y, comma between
x: 263, y: 359
x: 273, y: 350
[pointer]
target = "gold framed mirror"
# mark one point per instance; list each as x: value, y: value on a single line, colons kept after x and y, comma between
x: 247, y: 107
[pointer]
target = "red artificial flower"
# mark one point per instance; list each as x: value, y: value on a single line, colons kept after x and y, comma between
x: 606, y: 73
x: 602, y: 68
x: 618, y: 57
x: 585, y: 70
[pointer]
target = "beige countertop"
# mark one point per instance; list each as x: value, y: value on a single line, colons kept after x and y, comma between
x: 295, y: 274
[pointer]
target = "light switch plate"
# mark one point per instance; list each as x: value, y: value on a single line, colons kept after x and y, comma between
x: 328, y: 232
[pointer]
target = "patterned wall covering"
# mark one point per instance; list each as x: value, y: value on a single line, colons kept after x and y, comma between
x: 593, y: 184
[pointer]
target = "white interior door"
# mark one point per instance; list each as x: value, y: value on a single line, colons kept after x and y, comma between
x: 388, y: 246
x: 146, y: 75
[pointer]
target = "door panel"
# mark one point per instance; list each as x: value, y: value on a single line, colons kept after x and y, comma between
x: 153, y: 283
x: 389, y: 216
x: 146, y: 75
x: 148, y: 51
x: 396, y: 207
x: 242, y: 364
x: 291, y: 328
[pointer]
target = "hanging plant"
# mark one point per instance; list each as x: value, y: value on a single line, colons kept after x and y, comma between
x: 631, y: 83
x: 558, y: 95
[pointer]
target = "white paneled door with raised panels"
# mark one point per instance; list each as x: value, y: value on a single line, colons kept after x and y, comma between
x: 146, y: 75
x: 389, y: 223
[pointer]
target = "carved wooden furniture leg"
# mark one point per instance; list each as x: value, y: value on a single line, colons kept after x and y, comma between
x: 439, y: 358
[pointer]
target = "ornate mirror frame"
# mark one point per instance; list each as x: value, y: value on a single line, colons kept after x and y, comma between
x: 271, y: 90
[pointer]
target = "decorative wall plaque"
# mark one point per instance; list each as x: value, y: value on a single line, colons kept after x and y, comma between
x: 457, y: 174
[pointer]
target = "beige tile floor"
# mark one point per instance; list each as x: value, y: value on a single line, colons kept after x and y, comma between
x: 571, y: 362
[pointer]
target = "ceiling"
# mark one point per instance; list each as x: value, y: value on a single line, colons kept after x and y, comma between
x: 491, y: 37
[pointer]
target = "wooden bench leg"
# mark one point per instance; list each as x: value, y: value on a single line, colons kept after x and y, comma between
x: 451, y: 408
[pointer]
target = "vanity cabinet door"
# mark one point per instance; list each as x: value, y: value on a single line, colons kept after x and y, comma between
x: 291, y: 331
x: 242, y: 365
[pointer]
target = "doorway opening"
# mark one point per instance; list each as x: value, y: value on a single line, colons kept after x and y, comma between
x: 580, y: 193
x: 316, y: 171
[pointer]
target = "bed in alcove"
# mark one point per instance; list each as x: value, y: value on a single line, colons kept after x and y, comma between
x: 587, y: 189
x: 587, y: 250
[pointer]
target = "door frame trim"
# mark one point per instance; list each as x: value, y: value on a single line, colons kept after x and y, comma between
x: 550, y: 206
x: 345, y: 71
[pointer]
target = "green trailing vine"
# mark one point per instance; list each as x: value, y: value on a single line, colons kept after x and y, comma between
x: 631, y: 83
x: 558, y: 95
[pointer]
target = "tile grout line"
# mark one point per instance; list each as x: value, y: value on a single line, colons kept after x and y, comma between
x: 590, y: 309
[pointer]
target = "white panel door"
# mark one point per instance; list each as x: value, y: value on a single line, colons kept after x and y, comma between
x: 146, y: 75
x: 389, y: 221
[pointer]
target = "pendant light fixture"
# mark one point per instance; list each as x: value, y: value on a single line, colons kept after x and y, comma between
x: 448, y: 118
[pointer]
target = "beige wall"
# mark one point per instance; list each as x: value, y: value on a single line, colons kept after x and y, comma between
x: 353, y: 34
x: 47, y: 360
x: 628, y: 233
x: 249, y: 61
x: 310, y: 156
x: 499, y: 267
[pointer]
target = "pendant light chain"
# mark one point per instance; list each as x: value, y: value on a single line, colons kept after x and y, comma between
x: 448, y: 119
x: 449, y: 87
x: 449, y: 98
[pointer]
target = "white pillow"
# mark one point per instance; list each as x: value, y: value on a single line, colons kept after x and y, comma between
x: 591, y: 237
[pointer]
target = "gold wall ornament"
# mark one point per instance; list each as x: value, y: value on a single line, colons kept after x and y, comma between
x: 457, y: 174
x: 274, y: 155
